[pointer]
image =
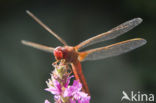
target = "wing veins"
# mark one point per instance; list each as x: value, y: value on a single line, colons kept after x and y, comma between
x: 111, y: 34
x: 114, y: 49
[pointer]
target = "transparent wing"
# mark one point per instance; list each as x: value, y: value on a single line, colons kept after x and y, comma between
x: 38, y: 46
x: 111, y: 34
x: 112, y: 50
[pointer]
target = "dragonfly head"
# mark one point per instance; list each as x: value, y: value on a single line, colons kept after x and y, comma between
x: 59, y: 53
x: 67, y: 52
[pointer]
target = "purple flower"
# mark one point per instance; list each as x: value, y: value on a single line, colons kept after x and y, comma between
x: 75, y: 92
x: 72, y: 90
x: 46, y: 101
x: 59, y: 86
x: 72, y: 101
x: 68, y: 81
x: 84, y: 100
x: 55, y: 89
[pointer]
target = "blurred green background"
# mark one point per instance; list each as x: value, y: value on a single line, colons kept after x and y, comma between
x: 24, y: 70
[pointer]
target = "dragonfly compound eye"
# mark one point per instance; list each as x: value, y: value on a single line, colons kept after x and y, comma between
x: 58, y: 53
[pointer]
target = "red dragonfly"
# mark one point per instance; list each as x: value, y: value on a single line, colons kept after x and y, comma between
x: 72, y: 56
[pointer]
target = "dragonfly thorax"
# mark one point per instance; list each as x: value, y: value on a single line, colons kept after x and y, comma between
x: 67, y: 52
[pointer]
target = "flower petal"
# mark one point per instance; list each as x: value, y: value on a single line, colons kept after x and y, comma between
x: 46, y: 101
x: 77, y: 85
x: 68, y: 81
x: 53, y: 90
x: 80, y: 95
x: 72, y: 101
x: 84, y: 100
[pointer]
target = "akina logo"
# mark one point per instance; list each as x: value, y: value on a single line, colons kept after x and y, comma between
x: 137, y: 96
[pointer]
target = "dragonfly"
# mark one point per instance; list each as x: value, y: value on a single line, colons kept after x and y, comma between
x: 73, y: 56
